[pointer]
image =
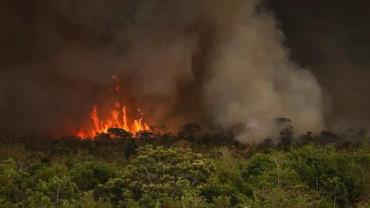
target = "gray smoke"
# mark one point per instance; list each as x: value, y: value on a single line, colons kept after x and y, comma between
x: 215, y: 62
x: 253, y: 81
x: 329, y: 37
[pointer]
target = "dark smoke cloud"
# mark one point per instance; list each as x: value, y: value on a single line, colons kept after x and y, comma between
x: 58, y: 57
x: 177, y: 59
x: 332, y: 39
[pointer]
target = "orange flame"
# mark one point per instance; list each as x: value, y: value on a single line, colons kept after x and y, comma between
x: 117, y: 119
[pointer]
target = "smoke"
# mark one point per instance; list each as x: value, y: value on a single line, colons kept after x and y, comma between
x: 330, y: 39
x: 253, y: 81
x: 215, y: 62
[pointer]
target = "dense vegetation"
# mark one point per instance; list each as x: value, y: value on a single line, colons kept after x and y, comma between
x: 187, y: 170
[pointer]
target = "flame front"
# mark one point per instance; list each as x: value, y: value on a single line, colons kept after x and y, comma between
x: 118, y: 119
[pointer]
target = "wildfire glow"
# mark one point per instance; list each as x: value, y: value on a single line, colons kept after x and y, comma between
x: 117, y: 119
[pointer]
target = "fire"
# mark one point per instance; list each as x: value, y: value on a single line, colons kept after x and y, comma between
x: 117, y: 119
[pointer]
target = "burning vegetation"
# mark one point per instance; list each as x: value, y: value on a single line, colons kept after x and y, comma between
x: 173, y: 103
x: 117, y: 118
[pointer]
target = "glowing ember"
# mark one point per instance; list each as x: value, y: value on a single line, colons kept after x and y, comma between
x: 118, y: 119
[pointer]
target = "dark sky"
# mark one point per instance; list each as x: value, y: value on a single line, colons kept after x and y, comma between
x: 331, y: 38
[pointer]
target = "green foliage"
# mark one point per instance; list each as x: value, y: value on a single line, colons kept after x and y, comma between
x: 13, y: 182
x: 188, y: 200
x: 88, y: 201
x: 114, y: 190
x: 278, y: 197
x: 272, y: 182
x: 363, y: 205
x: 340, y: 175
x: 88, y: 175
x: 158, y: 173
x: 226, y: 183
x: 91, y: 174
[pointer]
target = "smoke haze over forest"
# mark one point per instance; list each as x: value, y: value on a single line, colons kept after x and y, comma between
x: 214, y: 62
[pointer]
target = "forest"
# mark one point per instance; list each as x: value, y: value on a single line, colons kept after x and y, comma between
x: 188, y: 170
x: 93, y: 94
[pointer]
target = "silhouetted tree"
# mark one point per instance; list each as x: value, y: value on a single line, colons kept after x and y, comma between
x: 146, y: 136
x: 286, y: 131
x: 130, y: 148
x: 117, y: 133
x: 190, y: 132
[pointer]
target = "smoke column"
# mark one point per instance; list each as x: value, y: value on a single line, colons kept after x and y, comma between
x: 214, y: 62
x: 331, y: 39
x: 253, y: 81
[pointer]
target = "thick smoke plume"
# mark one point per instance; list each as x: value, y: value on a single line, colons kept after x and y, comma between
x: 253, y: 81
x: 331, y: 39
x: 218, y: 63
